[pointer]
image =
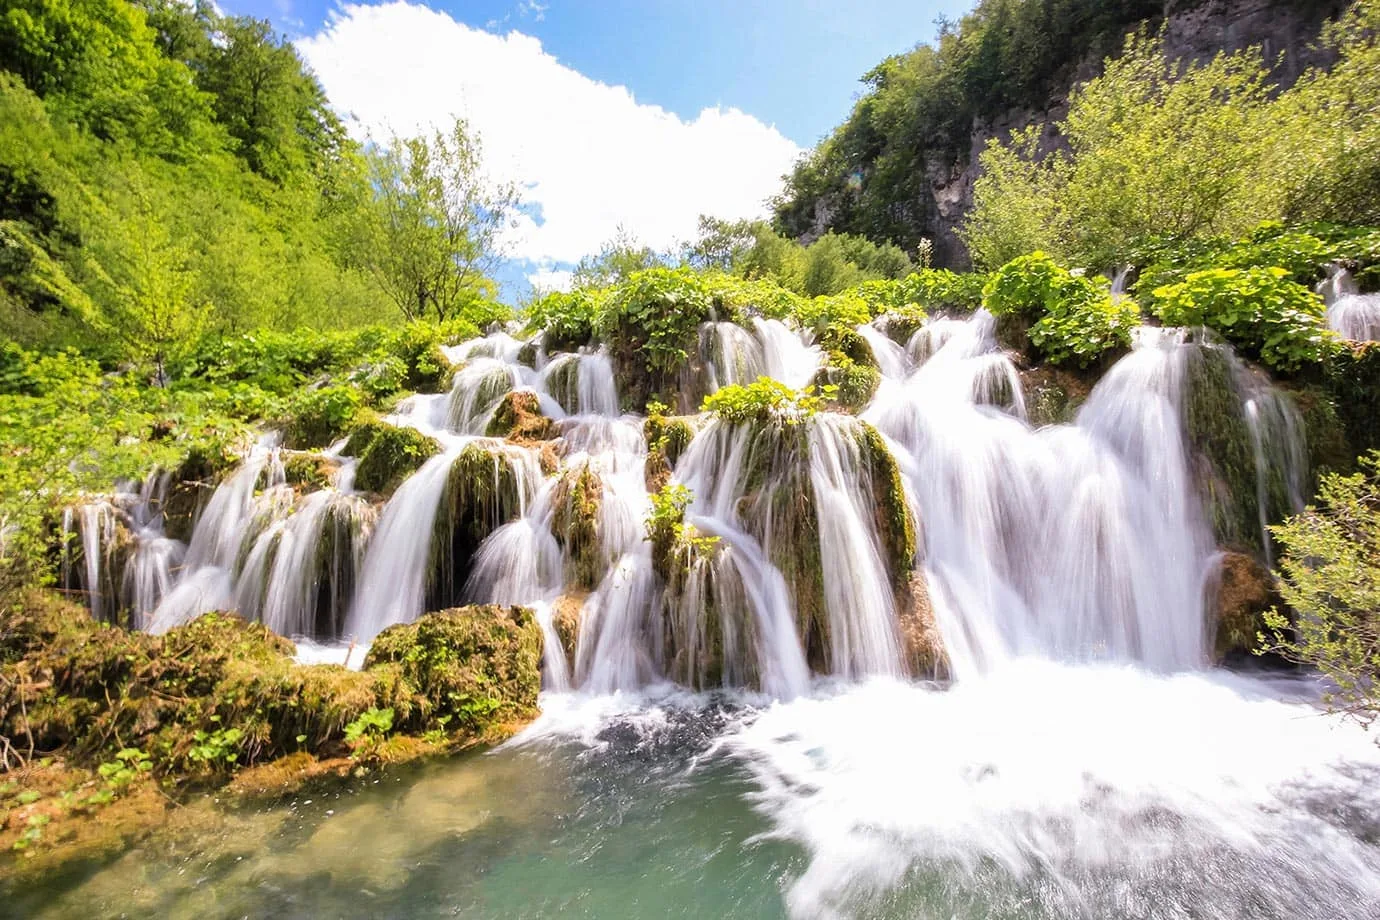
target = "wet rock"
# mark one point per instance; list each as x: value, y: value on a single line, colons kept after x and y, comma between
x: 467, y: 667
x: 922, y: 646
x: 1243, y: 592
x: 519, y: 419
x: 1053, y: 396
x: 387, y: 455
x: 575, y: 524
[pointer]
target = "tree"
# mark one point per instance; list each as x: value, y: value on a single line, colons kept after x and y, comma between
x: 432, y: 233
x: 616, y: 261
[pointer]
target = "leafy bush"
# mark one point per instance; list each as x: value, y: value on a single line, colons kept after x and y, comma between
x: 658, y: 311
x: 1081, y: 331
x: 1033, y: 285
x: 1330, y: 577
x: 567, y: 318
x: 764, y: 400
x: 315, y: 418
x: 1260, y: 310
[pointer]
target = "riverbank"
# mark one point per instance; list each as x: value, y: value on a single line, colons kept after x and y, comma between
x: 111, y: 734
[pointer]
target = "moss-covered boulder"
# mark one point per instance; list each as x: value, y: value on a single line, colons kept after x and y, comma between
x: 575, y: 505
x: 895, y: 524
x: 850, y: 365
x: 306, y: 471
x: 667, y: 437
x: 565, y: 617
x: 482, y: 493
x: 519, y: 419
x: 1221, y: 450
x: 467, y: 668
x: 1244, y: 591
x: 387, y: 454
x: 1053, y: 395
x: 1329, y: 449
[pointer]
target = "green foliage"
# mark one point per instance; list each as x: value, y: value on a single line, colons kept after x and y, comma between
x: 1081, y: 331
x: 1166, y: 158
x: 764, y: 400
x: 871, y: 175
x: 431, y: 234
x: 1260, y: 310
x: 315, y: 418
x: 215, y: 747
x: 667, y: 530
x: 657, y: 312
x: 1074, y: 319
x: 1330, y: 578
x: 371, y: 726
x: 128, y: 764
x: 567, y: 318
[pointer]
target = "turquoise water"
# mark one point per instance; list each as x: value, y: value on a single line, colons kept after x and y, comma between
x: 1093, y: 793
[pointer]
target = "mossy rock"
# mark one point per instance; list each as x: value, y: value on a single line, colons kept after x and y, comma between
x: 922, y: 644
x: 387, y: 454
x: 1013, y: 334
x: 1222, y: 454
x: 1329, y: 451
x: 481, y: 494
x: 1245, y: 591
x: 565, y: 617
x: 575, y: 505
x: 467, y: 667
x: 1351, y: 378
x: 309, y: 472
x: 895, y: 525
x: 667, y: 437
x: 1053, y: 395
x: 430, y: 371
x: 519, y: 419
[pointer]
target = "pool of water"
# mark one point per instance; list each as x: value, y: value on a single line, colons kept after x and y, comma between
x: 1040, y: 792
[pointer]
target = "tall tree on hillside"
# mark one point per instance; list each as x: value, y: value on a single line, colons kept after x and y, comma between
x: 432, y: 235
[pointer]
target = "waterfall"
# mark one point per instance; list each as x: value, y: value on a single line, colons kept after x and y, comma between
x: 1078, y: 542
x: 1350, y: 314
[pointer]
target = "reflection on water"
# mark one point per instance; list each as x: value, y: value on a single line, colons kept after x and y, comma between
x: 1044, y: 791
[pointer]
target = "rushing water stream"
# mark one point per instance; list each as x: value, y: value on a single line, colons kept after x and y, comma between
x: 1081, y: 758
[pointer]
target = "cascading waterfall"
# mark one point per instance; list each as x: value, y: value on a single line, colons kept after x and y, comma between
x: 1083, y: 541
x: 1350, y: 314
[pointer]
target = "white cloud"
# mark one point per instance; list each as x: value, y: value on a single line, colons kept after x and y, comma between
x: 587, y: 154
x: 551, y: 279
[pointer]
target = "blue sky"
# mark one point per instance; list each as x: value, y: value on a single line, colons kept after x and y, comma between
x: 611, y: 116
x: 792, y: 63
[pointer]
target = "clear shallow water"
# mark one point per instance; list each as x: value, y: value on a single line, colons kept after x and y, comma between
x: 1041, y: 791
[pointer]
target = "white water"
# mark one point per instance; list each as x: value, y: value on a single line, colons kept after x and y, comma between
x: 1350, y: 314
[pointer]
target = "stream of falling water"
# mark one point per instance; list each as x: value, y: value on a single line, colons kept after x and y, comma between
x: 1085, y: 761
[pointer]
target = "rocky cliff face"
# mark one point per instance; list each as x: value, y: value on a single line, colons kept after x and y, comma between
x: 1287, y: 32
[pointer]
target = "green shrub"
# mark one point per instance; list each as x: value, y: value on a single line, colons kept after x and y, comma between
x: 567, y: 318
x: 1033, y: 285
x: 1330, y: 577
x: 1260, y: 310
x: 315, y: 418
x: 658, y: 312
x: 764, y: 400
x: 1081, y: 331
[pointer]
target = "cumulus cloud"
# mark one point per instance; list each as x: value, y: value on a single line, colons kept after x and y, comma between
x: 551, y: 279
x: 588, y: 156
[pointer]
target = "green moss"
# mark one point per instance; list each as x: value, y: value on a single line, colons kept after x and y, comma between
x: 667, y: 438
x: 308, y: 472
x: 1329, y: 451
x: 387, y: 454
x: 1222, y: 456
x: 481, y: 495
x: 87, y: 691
x: 1053, y: 396
x: 575, y: 524
x: 519, y: 419
x: 1351, y: 378
x: 465, y: 668
x: 895, y: 525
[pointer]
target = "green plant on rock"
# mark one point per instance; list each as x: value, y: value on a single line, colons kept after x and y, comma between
x: 567, y: 318
x: 387, y: 454
x: 216, y: 748
x: 1033, y: 285
x: 369, y: 728
x: 1081, y: 331
x: 128, y: 765
x: 659, y: 311
x: 766, y: 400
x: 667, y: 530
x: 1330, y: 577
x: 317, y: 417
x: 1260, y: 310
